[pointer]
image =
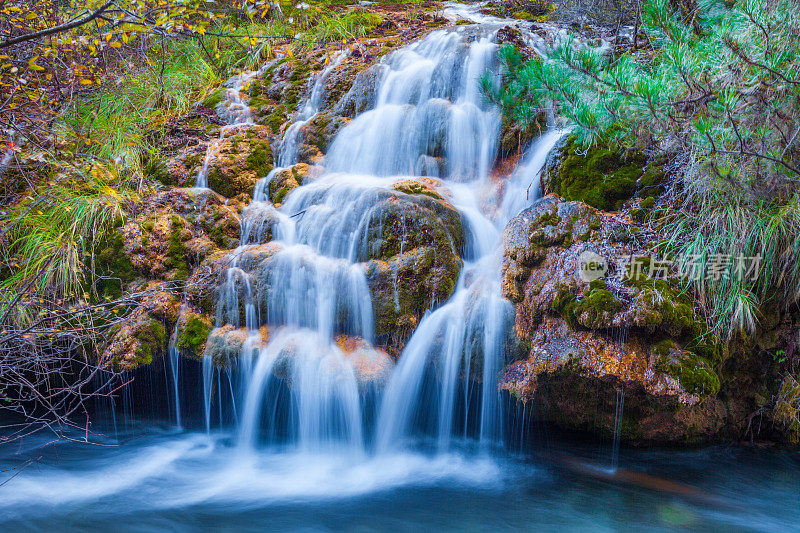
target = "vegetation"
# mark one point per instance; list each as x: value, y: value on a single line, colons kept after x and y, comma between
x: 87, y: 92
x: 716, y: 88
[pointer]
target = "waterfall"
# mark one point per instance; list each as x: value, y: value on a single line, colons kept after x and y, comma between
x: 299, y: 274
x: 234, y: 111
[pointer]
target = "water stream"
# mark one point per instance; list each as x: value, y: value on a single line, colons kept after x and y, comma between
x: 291, y: 423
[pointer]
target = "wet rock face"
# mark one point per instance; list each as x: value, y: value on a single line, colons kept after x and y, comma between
x: 317, y: 136
x: 627, y: 330
x: 177, y: 229
x: 238, y: 159
x: 413, y: 256
x: 286, y: 181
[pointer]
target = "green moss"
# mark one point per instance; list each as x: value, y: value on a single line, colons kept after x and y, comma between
x: 193, y: 335
x: 177, y: 252
x: 152, y: 339
x: 412, y: 187
x: 113, y: 267
x: 156, y: 169
x: 549, y: 219
x: 281, y: 194
x: 260, y: 158
x: 692, y: 372
x: 274, y: 122
x: 604, y: 178
x: 297, y: 83
x: 522, y: 15
x: 593, y: 311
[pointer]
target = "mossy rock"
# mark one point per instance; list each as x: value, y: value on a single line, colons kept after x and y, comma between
x: 156, y: 169
x: 243, y: 157
x: 152, y: 339
x: 693, y: 372
x: 605, y: 178
x: 595, y: 310
x: 177, y: 252
x: 416, y: 187
x: 214, y: 99
x: 113, y: 267
x: 193, y: 332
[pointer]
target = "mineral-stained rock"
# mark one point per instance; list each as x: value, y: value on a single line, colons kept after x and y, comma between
x: 610, y: 329
x: 142, y: 335
x: 226, y: 344
x: 193, y: 331
x: 285, y: 181
x: 413, y: 256
x: 176, y: 229
x: 372, y: 365
x: 236, y: 160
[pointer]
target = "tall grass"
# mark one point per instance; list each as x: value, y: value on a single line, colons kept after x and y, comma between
x: 48, y: 241
x: 329, y: 27
x: 174, y: 75
x: 724, y: 225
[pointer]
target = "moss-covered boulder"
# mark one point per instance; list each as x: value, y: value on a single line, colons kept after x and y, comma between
x: 316, y: 136
x: 142, y: 335
x: 412, y: 256
x: 170, y: 235
x: 193, y: 331
x: 605, y: 178
x: 225, y: 344
x: 233, y: 163
x: 240, y: 158
x: 626, y: 324
x: 285, y: 181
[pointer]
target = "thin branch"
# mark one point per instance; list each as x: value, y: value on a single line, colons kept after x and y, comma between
x: 57, y: 29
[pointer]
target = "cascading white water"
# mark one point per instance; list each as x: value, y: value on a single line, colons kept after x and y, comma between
x: 307, y: 283
x: 291, y: 139
x: 234, y: 111
x: 429, y: 114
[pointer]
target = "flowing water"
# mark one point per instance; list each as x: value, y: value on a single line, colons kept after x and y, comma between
x: 429, y: 115
x: 296, y: 437
x: 157, y: 479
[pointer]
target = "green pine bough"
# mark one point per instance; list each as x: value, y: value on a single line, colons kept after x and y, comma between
x: 717, y: 89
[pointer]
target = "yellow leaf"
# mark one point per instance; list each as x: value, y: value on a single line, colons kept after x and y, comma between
x: 32, y: 64
x: 86, y: 82
x: 125, y: 38
x: 32, y: 15
x: 115, y: 44
x: 201, y: 30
